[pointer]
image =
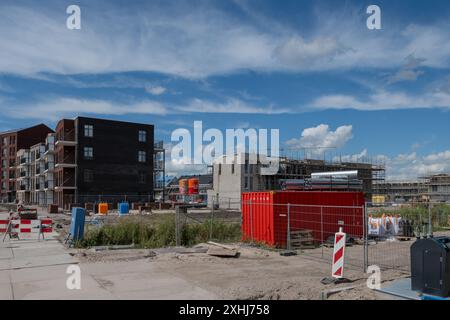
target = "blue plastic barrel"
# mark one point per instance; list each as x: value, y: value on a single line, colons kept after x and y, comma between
x: 77, y: 224
x: 124, y: 208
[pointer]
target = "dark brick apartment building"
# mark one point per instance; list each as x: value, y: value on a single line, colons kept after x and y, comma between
x: 84, y: 160
x: 102, y: 159
x: 10, y: 143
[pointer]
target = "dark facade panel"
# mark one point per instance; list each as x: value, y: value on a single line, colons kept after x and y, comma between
x: 108, y: 157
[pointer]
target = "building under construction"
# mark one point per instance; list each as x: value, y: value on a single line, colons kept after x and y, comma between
x: 434, y: 188
x: 231, y: 179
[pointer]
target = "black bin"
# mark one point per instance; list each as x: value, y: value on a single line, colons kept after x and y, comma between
x: 430, y: 266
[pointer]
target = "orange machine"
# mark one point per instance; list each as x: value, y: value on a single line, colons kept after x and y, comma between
x: 193, y: 186
x: 103, y: 209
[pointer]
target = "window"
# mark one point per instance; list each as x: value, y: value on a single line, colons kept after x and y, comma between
x: 142, y: 136
x: 232, y: 168
x: 220, y: 169
x: 142, y: 177
x: 142, y: 156
x: 88, y: 152
x: 88, y: 130
x: 88, y: 175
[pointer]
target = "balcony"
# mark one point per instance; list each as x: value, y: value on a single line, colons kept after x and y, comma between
x: 24, y: 162
x: 66, y: 139
x: 67, y: 162
x: 68, y: 184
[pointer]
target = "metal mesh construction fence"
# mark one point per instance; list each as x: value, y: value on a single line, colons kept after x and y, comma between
x: 392, y: 231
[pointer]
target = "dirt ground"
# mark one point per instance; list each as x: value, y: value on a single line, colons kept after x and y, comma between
x: 256, y: 274
x: 259, y: 273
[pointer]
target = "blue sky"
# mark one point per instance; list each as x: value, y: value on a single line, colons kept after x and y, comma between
x: 309, y: 68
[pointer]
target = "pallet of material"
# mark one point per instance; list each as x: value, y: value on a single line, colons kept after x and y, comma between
x: 302, y: 239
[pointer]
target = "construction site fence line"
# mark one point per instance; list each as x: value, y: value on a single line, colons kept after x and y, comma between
x: 303, y: 205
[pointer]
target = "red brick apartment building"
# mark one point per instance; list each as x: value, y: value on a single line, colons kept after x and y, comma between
x: 11, y: 142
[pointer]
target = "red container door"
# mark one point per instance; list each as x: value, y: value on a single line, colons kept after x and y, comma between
x: 257, y: 217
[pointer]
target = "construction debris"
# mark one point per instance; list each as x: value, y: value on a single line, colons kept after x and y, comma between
x: 288, y: 253
x: 220, y: 250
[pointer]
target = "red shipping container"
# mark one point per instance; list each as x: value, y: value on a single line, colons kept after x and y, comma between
x: 264, y: 214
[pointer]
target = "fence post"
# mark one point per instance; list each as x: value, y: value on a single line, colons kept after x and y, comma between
x: 321, y: 228
x: 211, y: 221
x: 430, y: 219
x: 288, y: 241
x: 177, y: 226
x: 366, y: 238
x: 251, y: 220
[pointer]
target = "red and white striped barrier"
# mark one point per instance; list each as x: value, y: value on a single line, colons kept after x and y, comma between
x: 26, y: 227
x: 339, y: 254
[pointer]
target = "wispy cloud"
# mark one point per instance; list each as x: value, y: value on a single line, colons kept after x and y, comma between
x: 231, y: 105
x: 409, y: 71
x: 199, y: 41
x: 58, y: 107
x: 62, y: 107
x: 156, y: 90
x: 384, y: 100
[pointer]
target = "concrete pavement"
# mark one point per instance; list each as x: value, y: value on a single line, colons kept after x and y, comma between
x: 32, y: 269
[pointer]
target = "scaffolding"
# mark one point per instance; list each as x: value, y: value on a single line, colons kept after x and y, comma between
x: 159, y: 171
x: 296, y: 164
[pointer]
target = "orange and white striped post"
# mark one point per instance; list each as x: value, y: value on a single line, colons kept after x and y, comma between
x: 339, y: 254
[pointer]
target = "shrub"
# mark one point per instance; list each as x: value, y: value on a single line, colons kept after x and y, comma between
x: 159, y: 233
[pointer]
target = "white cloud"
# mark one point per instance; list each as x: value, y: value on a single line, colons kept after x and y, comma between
x: 156, y: 90
x: 384, y: 100
x: 201, y: 40
x: 178, y: 167
x: 322, y: 137
x: 296, y: 51
x: 231, y: 105
x: 61, y: 107
x: 442, y: 156
x: 318, y: 140
x: 410, y: 166
x: 359, y: 157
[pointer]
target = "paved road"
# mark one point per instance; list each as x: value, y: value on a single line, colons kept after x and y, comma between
x: 32, y: 269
